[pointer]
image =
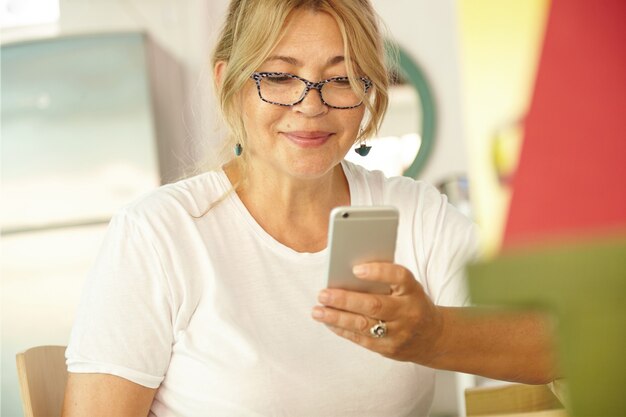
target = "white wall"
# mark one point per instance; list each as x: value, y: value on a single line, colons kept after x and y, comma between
x: 427, y: 30
x: 42, y: 277
x: 42, y: 272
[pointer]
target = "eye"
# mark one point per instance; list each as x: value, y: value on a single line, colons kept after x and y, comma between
x: 342, y: 82
x: 278, y: 79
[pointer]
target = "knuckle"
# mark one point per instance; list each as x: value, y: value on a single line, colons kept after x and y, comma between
x: 399, y: 347
x: 339, y: 298
x: 355, y: 337
x: 330, y: 316
x: 334, y: 330
x: 390, y: 351
x: 374, y: 306
x: 361, y: 324
x: 414, y: 316
x: 400, y: 274
x: 394, y: 350
x: 404, y: 340
x: 419, y: 289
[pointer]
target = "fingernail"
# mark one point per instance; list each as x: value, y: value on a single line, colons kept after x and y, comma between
x: 324, y: 297
x: 318, y: 313
x: 359, y: 270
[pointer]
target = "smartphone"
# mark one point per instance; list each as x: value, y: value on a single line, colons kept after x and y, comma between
x: 360, y: 234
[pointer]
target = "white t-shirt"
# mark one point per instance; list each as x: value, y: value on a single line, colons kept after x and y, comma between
x: 217, y: 314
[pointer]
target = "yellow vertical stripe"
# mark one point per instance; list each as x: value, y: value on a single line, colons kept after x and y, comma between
x: 500, y: 45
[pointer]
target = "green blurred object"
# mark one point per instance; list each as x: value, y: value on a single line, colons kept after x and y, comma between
x: 584, y: 285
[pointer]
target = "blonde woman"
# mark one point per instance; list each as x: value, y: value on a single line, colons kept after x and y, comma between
x: 208, y: 297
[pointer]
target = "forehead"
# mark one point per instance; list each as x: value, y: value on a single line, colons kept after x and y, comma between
x: 310, y: 36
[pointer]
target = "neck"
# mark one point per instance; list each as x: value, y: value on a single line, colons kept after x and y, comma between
x: 292, y: 210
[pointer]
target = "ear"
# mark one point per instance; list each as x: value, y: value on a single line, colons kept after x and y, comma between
x: 218, y: 72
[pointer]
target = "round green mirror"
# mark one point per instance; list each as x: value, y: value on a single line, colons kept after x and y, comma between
x: 408, y: 71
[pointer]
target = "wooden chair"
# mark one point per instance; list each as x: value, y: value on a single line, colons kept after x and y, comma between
x: 42, y: 375
x: 531, y: 400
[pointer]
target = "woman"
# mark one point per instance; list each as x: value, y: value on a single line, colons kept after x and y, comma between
x: 202, y: 301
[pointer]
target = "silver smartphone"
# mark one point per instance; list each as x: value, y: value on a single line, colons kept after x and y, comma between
x: 360, y: 234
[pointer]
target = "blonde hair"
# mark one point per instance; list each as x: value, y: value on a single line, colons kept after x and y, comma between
x: 252, y: 30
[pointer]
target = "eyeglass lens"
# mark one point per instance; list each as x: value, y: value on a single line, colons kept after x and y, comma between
x: 286, y: 90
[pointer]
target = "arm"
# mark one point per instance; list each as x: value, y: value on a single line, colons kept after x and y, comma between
x: 507, y: 346
x: 103, y: 395
x: 123, y: 325
x: 515, y: 347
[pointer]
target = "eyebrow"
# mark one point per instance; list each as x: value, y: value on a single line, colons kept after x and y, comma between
x: 293, y: 61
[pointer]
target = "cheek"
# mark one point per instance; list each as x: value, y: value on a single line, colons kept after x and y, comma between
x: 353, y: 122
x: 259, y: 118
x: 251, y: 111
x: 247, y: 107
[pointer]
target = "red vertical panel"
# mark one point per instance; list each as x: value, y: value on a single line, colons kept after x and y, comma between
x: 571, y: 178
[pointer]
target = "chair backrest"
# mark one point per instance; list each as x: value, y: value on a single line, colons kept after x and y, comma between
x: 510, y: 399
x: 42, y: 374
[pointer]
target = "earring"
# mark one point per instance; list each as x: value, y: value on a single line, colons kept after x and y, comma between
x: 363, y: 150
x: 238, y: 149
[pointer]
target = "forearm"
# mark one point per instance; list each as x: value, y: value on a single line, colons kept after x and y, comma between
x: 508, y: 346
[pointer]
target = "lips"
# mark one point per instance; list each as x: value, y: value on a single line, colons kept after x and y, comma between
x: 308, y: 139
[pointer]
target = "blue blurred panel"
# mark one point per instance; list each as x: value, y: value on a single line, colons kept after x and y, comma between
x: 78, y: 139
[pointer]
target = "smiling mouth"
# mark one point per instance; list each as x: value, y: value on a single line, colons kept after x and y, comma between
x: 308, y: 139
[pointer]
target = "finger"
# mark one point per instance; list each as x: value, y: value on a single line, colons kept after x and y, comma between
x: 368, y: 342
x: 355, y: 323
x: 376, y: 306
x: 400, y: 279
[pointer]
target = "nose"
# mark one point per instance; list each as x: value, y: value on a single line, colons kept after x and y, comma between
x: 312, y: 104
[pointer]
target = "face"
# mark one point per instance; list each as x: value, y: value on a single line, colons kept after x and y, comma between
x: 308, y: 139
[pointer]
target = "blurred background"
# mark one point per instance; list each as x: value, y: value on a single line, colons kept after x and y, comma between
x: 104, y: 100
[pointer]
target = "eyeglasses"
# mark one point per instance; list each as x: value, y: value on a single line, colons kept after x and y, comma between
x: 284, y: 89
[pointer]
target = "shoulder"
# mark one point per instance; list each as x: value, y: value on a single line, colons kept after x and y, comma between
x: 395, y: 190
x: 362, y: 176
x: 418, y: 195
x: 419, y: 202
x: 186, y: 198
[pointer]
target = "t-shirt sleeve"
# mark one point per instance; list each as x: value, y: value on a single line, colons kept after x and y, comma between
x: 449, y: 241
x: 123, y: 324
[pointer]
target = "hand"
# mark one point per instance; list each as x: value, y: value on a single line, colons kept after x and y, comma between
x: 414, y: 323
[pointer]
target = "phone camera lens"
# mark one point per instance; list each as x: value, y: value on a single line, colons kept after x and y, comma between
x: 345, y: 215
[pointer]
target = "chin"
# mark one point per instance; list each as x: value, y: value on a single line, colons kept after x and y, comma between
x: 310, y: 170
